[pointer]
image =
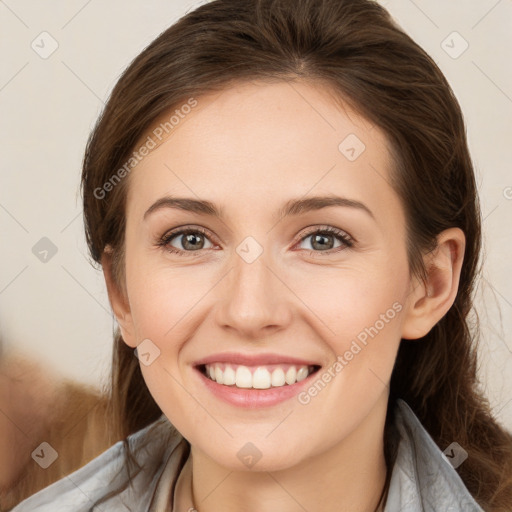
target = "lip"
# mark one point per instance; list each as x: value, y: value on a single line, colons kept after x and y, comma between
x: 253, y: 398
x: 253, y: 359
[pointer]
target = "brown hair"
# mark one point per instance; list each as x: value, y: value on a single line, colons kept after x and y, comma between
x: 354, y: 48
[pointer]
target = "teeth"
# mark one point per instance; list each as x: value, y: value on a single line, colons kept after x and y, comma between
x: 260, y: 377
x: 291, y: 375
x: 278, y: 377
x: 229, y: 376
x: 302, y: 373
x: 243, y: 377
x: 219, y: 376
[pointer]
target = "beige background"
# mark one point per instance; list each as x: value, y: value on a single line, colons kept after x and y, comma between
x: 58, y: 311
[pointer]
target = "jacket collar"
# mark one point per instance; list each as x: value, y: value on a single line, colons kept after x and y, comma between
x: 423, y: 479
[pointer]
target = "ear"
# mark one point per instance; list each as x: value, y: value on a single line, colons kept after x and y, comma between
x: 118, y: 299
x: 428, y: 302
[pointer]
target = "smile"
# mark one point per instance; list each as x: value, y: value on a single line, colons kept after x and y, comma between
x: 257, y: 377
x: 254, y: 380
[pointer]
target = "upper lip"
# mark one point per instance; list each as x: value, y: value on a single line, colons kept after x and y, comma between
x: 253, y: 359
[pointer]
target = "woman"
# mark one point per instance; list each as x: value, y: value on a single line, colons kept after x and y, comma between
x: 283, y: 203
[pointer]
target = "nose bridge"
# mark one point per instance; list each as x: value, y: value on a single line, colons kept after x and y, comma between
x: 253, y: 297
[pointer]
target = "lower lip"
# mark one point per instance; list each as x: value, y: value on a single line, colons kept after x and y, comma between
x: 254, y: 398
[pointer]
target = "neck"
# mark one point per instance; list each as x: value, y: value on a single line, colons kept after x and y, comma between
x: 349, y: 476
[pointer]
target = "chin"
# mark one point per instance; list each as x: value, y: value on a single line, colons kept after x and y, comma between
x: 254, y: 457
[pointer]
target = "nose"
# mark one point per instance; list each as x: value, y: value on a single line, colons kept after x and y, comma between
x: 255, y: 301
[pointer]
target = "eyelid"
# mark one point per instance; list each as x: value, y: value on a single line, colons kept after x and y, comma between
x: 326, y: 229
x: 183, y: 230
x: 345, y: 238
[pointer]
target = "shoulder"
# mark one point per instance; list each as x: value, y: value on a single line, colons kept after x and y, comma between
x: 88, y: 489
x: 423, y: 477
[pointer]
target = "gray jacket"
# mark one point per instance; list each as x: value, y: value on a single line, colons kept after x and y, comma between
x: 423, y: 479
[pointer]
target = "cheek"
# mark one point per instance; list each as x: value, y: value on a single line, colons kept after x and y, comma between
x: 350, y: 302
x: 359, y: 315
x: 360, y: 319
x: 159, y: 296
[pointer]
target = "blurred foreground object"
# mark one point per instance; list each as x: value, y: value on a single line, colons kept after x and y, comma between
x: 48, y: 428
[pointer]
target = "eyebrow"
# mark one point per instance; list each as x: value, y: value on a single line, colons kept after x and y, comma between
x: 291, y: 207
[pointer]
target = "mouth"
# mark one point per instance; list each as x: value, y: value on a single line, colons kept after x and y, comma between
x: 253, y: 381
x: 258, y: 377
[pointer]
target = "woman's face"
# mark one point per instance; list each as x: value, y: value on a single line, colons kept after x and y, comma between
x: 263, y: 279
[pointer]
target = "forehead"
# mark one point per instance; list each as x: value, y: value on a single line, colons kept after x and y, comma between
x: 264, y: 141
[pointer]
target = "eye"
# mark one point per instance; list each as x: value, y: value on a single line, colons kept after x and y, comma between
x: 324, y: 239
x: 190, y: 240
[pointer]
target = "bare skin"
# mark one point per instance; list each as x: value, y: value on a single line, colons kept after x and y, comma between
x: 249, y: 150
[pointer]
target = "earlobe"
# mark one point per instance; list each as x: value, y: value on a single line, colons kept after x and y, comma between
x: 118, y: 300
x: 428, y: 302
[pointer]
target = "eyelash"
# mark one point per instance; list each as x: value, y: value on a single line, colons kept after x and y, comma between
x: 341, y: 235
